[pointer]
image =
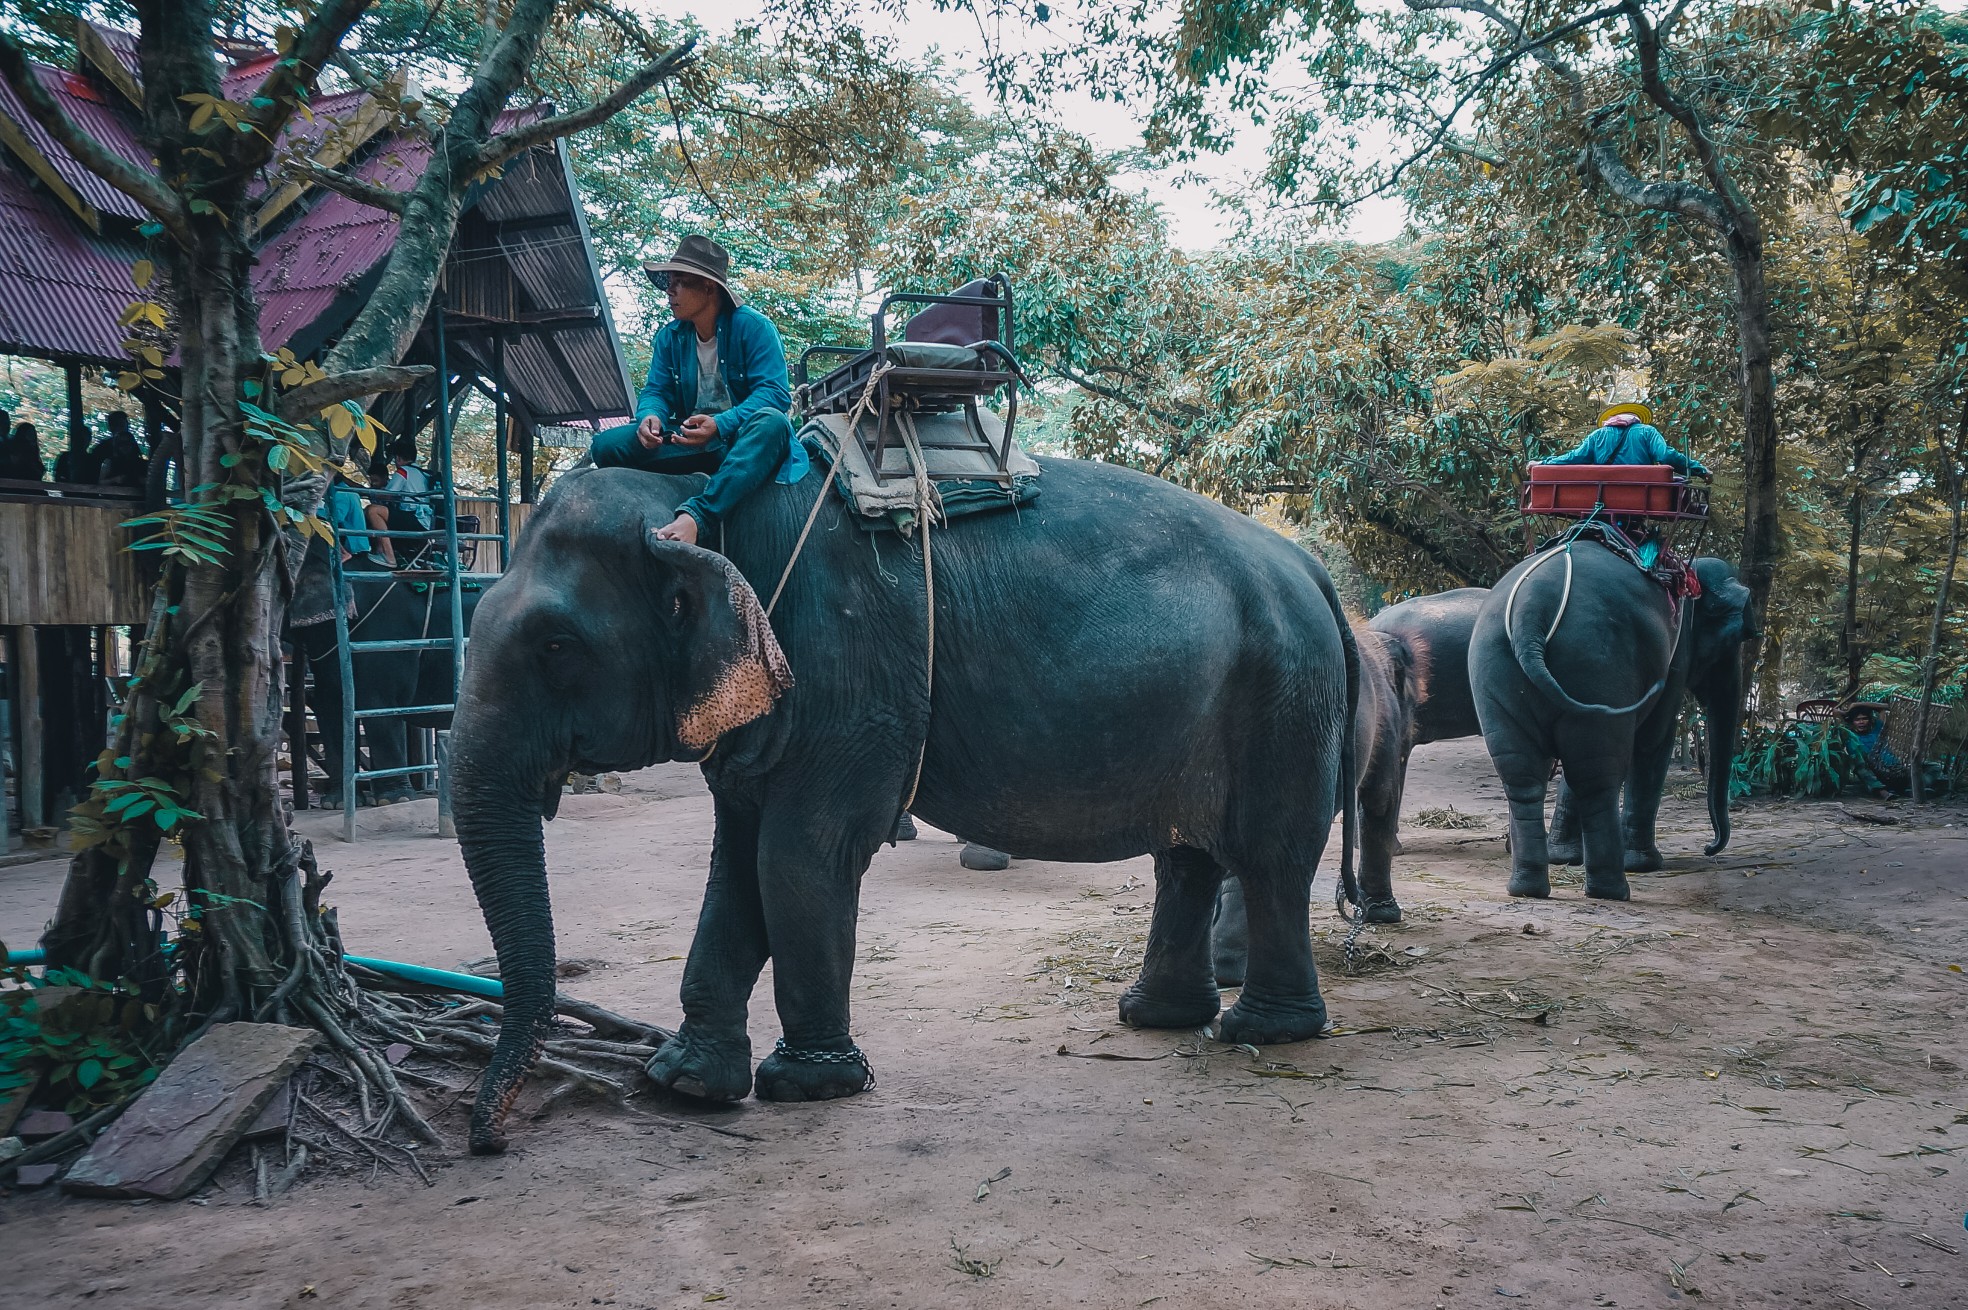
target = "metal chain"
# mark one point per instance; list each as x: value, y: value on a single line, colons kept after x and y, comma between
x: 852, y: 1055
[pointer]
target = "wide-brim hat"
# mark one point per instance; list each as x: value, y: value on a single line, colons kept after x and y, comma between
x: 1634, y: 408
x: 699, y: 256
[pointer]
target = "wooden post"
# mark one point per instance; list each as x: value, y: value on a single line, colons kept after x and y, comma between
x: 297, y: 726
x: 78, y: 422
x: 11, y: 761
x: 27, y: 658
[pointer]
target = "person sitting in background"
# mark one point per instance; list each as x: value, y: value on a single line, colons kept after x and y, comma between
x: 1626, y: 435
x: 119, y: 459
x: 411, y: 513
x: 1870, y: 729
x: 78, y: 464
x: 345, y: 513
x: 20, y: 452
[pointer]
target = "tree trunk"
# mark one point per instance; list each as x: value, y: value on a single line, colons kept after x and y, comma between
x: 1848, y: 634
x: 1930, y: 666
x: 1761, y: 534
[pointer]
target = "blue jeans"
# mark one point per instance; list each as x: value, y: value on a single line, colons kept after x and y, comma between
x: 739, y: 465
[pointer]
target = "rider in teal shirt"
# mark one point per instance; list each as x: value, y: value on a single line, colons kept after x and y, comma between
x: 1626, y: 435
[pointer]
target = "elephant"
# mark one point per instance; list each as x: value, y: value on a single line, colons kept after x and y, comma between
x: 395, y: 609
x: 1119, y: 668
x: 1435, y: 629
x: 1382, y: 726
x: 1582, y: 616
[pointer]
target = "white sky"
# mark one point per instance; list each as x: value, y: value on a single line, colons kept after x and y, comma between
x: 1195, y: 221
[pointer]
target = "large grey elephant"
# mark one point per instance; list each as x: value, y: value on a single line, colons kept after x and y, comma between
x: 1435, y: 630
x: 1577, y: 655
x: 1122, y: 667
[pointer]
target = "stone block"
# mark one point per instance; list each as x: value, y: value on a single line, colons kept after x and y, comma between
x: 178, y: 1131
x: 43, y: 1123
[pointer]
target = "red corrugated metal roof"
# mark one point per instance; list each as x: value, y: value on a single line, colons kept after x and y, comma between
x: 62, y: 288
x: 91, y: 108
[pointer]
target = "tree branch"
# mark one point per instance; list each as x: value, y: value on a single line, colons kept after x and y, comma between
x: 317, y: 396
x: 298, y: 72
x: 498, y: 149
x: 1647, y: 42
x: 1122, y: 398
x: 347, y: 184
x: 144, y: 188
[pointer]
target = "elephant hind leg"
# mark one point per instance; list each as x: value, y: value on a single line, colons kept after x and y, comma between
x: 1380, y: 821
x: 1177, y: 986
x: 1605, y: 845
x: 1280, y: 1001
x: 1566, y: 846
x: 1524, y: 780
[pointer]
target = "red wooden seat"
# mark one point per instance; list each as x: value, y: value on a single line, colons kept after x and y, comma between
x: 1625, y: 490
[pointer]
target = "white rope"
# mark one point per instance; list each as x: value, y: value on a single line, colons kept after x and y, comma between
x: 1510, y: 601
x: 927, y: 510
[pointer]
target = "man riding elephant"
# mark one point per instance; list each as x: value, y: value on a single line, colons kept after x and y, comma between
x: 716, y: 398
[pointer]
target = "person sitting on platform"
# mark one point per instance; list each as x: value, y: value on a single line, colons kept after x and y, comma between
x: 412, y: 513
x: 345, y: 513
x: 716, y: 399
x: 1626, y: 435
x: 77, y: 464
x: 119, y: 459
x: 20, y: 453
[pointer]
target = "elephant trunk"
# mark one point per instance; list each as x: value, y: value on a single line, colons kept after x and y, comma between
x: 500, y: 821
x: 1722, y: 705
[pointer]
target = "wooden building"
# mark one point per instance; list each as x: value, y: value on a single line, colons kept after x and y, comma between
x: 526, y: 322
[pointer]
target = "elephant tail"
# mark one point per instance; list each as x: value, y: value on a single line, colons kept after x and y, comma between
x: 1348, y: 892
x: 1528, y: 649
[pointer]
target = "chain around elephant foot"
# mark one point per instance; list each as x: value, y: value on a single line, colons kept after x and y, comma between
x: 708, y: 1069
x: 793, y: 1073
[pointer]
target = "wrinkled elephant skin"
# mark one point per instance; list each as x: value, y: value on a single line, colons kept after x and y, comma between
x: 1120, y: 668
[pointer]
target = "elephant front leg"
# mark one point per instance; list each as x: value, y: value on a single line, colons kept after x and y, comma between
x: 1177, y: 986
x: 1380, y: 821
x: 1643, y: 798
x: 810, y: 869
x: 711, y: 1055
x: 1605, y: 849
x: 1566, y: 844
x: 1230, y: 935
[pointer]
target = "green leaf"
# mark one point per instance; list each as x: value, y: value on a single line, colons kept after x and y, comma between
x: 88, y: 1073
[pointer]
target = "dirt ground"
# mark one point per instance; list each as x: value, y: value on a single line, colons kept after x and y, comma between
x: 1744, y: 1086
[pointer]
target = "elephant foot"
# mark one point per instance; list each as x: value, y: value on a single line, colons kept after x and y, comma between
x: 1608, y: 889
x: 983, y: 858
x: 707, y: 1070
x: 793, y: 1074
x: 1273, y: 1023
x: 1647, y: 861
x: 905, y: 828
x: 1559, y: 851
x: 328, y: 800
x: 1533, y: 882
x: 1381, y: 909
x: 1146, y: 1007
x: 394, y: 796
x: 1228, y: 966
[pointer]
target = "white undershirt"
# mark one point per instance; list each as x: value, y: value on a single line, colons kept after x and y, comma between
x: 712, y: 395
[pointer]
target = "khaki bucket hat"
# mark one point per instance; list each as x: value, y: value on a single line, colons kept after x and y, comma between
x: 702, y: 257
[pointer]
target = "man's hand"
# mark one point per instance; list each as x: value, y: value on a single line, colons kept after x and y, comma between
x: 698, y: 430
x: 649, y: 433
x: 681, y: 528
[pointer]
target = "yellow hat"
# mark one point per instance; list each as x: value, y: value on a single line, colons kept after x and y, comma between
x: 1634, y: 408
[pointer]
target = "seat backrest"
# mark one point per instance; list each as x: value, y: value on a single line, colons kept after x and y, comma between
x: 957, y: 325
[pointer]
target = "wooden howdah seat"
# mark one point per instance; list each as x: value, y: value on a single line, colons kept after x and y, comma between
x: 954, y: 354
x: 1618, y: 491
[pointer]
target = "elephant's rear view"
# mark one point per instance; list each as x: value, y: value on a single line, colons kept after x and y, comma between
x: 1581, y: 656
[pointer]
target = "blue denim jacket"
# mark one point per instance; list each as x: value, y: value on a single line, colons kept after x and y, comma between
x: 750, y: 355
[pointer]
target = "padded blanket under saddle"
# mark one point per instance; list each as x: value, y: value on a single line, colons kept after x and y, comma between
x: 964, y: 481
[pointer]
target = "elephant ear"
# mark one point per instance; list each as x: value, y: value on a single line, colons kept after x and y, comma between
x: 730, y: 667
